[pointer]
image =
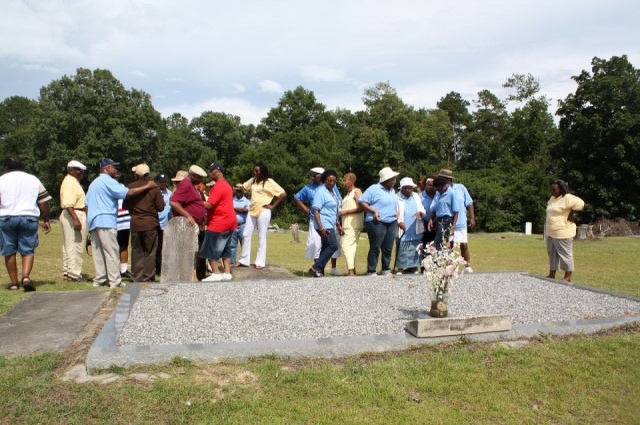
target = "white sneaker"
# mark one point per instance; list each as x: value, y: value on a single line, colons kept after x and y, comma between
x: 385, y: 273
x: 372, y: 274
x: 336, y: 272
x: 119, y: 285
x: 215, y: 277
x: 468, y: 270
x: 227, y: 276
x: 97, y: 284
x: 398, y: 273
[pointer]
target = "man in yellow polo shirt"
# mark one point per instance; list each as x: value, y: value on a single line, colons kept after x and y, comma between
x: 74, y: 222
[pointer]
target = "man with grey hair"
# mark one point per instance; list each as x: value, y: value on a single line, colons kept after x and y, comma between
x: 73, y: 220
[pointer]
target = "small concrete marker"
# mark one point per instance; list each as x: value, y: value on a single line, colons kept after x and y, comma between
x: 449, y: 326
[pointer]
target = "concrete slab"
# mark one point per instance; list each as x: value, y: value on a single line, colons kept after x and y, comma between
x: 47, y: 321
x: 433, y: 327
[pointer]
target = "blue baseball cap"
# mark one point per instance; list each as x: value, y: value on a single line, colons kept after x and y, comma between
x: 108, y: 161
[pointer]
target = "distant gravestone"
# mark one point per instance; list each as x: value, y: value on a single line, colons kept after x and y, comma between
x: 179, y: 247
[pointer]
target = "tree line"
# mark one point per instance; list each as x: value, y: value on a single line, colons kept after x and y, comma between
x: 506, y: 151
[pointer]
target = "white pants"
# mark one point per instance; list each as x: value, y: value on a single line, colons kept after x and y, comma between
x: 314, y: 244
x: 262, y: 224
x: 74, y: 243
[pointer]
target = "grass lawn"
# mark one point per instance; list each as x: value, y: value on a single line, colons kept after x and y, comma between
x: 575, y: 380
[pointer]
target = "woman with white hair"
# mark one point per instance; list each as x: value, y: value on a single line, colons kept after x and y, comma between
x: 381, y: 223
x: 411, y: 227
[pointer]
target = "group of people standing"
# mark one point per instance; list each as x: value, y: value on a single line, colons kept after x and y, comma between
x: 435, y: 213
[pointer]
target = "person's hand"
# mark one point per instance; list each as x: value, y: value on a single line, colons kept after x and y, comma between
x: 324, y: 233
x: 430, y: 225
x: 192, y: 222
x: 269, y: 207
x: 77, y: 225
x: 376, y: 216
x: 402, y: 226
x: 46, y: 226
x: 472, y: 223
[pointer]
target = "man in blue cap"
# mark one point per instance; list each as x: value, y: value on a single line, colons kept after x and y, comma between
x: 102, y: 202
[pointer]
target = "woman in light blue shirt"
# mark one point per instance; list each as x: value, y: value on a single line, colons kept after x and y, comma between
x: 381, y: 223
x: 325, y: 212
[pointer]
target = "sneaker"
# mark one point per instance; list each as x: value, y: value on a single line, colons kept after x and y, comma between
x: 98, y: 284
x: 336, y: 272
x: 372, y: 274
x: 215, y: 277
x: 126, y: 274
x: 398, y: 273
x: 227, y: 276
x: 119, y: 285
x: 77, y: 279
x: 468, y: 270
x: 385, y: 273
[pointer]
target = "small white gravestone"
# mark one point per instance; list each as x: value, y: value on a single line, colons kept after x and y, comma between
x: 527, y: 228
x: 179, y: 248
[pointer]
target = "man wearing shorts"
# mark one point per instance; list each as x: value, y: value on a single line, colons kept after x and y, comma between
x: 221, y: 222
x: 22, y: 199
x: 460, y: 234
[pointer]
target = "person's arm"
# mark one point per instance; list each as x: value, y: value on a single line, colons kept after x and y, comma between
x: 141, y: 189
x: 472, y: 217
x: 275, y: 204
x: 77, y: 224
x: 367, y: 207
x: 302, y: 206
x: 44, y: 211
x: 181, y: 211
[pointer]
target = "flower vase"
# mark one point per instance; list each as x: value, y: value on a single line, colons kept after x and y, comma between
x: 439, y: 305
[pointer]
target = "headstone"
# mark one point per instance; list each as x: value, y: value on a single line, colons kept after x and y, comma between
x: 527, y: 228
x: 179, y: 247
x: 295, y: 233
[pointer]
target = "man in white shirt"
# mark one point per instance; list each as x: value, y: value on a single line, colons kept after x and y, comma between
x: 22, y: 199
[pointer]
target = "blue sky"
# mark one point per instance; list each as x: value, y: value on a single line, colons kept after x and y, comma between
x: 240, y: 56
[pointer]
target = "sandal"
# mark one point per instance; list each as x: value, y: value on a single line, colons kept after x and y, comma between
x: 28, y: 285
x: 315, y: 273
x: 259, y: 267
x: 13, y: 286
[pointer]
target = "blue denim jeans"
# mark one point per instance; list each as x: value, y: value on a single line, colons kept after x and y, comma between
x: 443, y: 232
x: 329, y: 246
x: 381, y: 238
x: 236, y: 237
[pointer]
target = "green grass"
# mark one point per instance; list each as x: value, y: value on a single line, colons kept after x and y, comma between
x: 572, y: 380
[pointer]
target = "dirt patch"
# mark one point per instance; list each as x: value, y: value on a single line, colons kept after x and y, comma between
x: 618, y: 227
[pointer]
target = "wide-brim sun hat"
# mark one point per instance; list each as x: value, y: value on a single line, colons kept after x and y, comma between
x: 407, y: 181
x: 447, y: 174
x: 387, y: 173
x: 180, y: 175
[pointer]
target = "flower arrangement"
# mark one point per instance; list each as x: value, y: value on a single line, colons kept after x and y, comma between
x: 442, y: 269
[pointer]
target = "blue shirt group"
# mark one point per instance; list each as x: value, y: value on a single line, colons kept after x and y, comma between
x: 466, y: 201
x: 102, y: 201
x: 326, y: 203
x: 382, y: 200
x: 446, y: 204
x: 307, y: 194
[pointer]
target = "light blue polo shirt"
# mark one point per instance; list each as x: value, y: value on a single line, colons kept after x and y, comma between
x: 327, y: 205
x: 102, y: 201
x: 426, y: 203
x: 382, y: 200
x: 307, y: 193
x: 466, y: 201
x: 241, y: 203
x: 446, y: 204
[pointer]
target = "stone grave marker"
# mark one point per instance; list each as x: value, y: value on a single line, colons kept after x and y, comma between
x: 179, y: 248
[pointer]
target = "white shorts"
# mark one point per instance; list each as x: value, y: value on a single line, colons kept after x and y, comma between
x: 460, y: 236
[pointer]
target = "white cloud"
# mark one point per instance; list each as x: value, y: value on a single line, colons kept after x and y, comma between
x: 37, y: 67
x: 323, y: 73
x: 238, y: 87
x: 270, y: 86
x: 140, y: 74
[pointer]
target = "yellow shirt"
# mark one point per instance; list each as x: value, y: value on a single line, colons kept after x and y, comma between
x: 71, y: 193
x: 558, y: 209
x: 261, y: 194
x: 354, y: 221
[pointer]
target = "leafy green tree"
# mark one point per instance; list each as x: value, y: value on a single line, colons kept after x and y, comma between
x: 600, y: 126
x: 459, y: 117
x: 484, y: 143
x: 17, y: 115
x: 222, y: 133
x: 89, y: 116
x: 178, y: 147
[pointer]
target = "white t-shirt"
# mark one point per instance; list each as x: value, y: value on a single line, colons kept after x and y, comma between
x: 20, y: 194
